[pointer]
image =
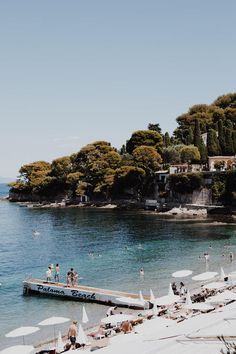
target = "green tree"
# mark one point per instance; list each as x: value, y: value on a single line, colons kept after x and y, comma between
x: 190, y: 153
x: 197, y: 134
x: 213, y: 145
x: 166, y: 140
x: 144, y: 137
x: 171, y: 154
x: 60, y: 168
x: 147, y: 158
x: 229, y: 146
x: 221, y: 136
x: 185, y: 182
x: 28, y: 171
x: 128, y: 177
x: 230, y: 188
x: 156, y: 127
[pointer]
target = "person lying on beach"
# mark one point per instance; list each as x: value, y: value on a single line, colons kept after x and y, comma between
x: 126, y: 327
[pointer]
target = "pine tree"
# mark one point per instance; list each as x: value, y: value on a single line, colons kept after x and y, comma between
x: 197, y: 134
x: 213, y: 145
x: 166, y: 139
x: 229, y: 148
x: 221, y: 136
x: 189, y: 137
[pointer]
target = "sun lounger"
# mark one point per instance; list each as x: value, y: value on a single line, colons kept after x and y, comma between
x: 99, y: 342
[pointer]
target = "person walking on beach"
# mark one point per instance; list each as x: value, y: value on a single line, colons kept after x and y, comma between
x: 57, y: 273
x: 72, y: 334
x: 49, y: 274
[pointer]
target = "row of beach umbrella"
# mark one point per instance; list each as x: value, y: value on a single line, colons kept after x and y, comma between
x: 168, y: 299
x: 51, y: 321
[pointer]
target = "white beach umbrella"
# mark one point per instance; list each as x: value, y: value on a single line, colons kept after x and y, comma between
x: 182, y: 273
x: 167, y: 300
x: 215, y: 285
x: 141, y: 297
x: 18, y: 349
x: 154, y: 309
x: 222, y: 297
x: 52, y: 321
x: 170, y: 291
x: 118, y: 318
x: 200, y: 306
x: 130, y: 301
x: 81, y: 336
x: 84, y: 316
x: 59, y: 344
x: 188, y: 300
x: 152, y: 297
x: 204, y: 276
x: 222, y: 274
x: 22, y: 332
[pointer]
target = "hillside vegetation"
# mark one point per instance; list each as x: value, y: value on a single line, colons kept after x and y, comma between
x: 102, y: 172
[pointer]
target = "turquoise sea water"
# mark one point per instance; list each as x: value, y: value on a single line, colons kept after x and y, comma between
x: 121, y: 243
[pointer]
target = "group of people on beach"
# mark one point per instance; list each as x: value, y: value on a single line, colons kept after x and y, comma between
x: 181, y: 290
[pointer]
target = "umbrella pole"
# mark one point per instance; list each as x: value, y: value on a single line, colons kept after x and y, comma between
x: 54, y: 339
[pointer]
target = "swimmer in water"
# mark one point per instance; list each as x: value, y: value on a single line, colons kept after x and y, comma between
x: 231, y: 256
x: 141, y: 272
x: 206, y: 255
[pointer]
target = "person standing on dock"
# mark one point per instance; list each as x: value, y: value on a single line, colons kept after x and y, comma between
x: 49, y: 274
x: 57, y: 273
x: 72, y: 334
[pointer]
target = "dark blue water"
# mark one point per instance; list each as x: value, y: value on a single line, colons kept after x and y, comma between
x: 121, y: 243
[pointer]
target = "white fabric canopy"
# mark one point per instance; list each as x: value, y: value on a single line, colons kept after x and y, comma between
x: 84, y: 316
x: 188, y: 300
x: 141, y: 297
x: 215, y: 285
x: 182, y: 273
x: 205, y: 276
x: 118, y: 318
x: 222, y: 297
x: 52, y: 321
x: 201, y: 306
x: 170, y: 292
x: 59, y: 344
x: 81, y: 336
x: 152, y: 297
x: 18, y: 349
x: 130, y: 301
x: 222, y: 274
x: 22, y: 331
x: 167, y: 300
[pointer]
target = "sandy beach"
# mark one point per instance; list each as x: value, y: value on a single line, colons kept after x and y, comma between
x: 195, y: 332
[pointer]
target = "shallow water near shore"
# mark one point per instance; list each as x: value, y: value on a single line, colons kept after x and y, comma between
x: 107, y: 247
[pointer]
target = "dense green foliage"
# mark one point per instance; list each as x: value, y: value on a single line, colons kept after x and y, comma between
x: 102, y: 172
x: 185, y: 182
x: 219, y: 117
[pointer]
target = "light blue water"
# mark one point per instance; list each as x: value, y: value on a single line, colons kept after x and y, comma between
x: 122, y: 243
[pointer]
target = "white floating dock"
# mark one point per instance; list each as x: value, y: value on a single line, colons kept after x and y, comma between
x: 79, y: 293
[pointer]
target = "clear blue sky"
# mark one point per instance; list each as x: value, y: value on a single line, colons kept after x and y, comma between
x: 73, y: 72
